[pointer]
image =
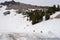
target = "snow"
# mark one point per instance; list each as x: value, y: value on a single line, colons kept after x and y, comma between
x: 13, y: 22
x: 17, y: 25
x: 51, y: 26
x: 54, y: 15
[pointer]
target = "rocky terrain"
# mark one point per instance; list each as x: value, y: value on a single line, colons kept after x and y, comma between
x: 18, y: 5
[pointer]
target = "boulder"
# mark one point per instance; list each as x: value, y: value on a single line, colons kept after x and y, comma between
x: 6, y: 13
x: 0, y: 6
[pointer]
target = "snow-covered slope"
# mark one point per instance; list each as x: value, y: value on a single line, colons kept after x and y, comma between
x: 13, y: 22
x: 17, y: 24
x: 54, y: 15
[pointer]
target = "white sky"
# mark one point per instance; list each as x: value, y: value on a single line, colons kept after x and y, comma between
x: 38, y: 2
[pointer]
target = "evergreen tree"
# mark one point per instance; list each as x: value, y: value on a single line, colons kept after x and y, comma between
x: 35, y: 16
x: 51, y: 10
x: 58, y: 8
x: 54, y: 8
x: 47, y: 16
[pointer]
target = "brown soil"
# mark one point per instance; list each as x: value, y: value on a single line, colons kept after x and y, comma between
x: 58, y: 16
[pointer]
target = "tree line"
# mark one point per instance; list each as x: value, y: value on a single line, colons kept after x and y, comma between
x: 36, y: 16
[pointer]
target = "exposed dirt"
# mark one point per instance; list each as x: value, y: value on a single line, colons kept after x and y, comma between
x: 58, y: 16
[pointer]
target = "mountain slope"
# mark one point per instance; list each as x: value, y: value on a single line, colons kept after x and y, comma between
x: 17, y: 23
x: 18, y: 5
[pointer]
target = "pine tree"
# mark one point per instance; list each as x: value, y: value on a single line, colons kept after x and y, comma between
x: 54, y: 8
x: 58, y: 8
x: 47, y: 16
x: 35, y: 16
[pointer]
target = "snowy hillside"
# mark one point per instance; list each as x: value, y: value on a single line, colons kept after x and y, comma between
x: 54, y: 15
x: 16, y: 25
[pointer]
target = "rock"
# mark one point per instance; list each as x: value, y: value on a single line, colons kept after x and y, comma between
x: 41, y: 31
x: 19, y: 11
x: 6, y: 13
x: 33, y: 30
x: 0, y: 6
